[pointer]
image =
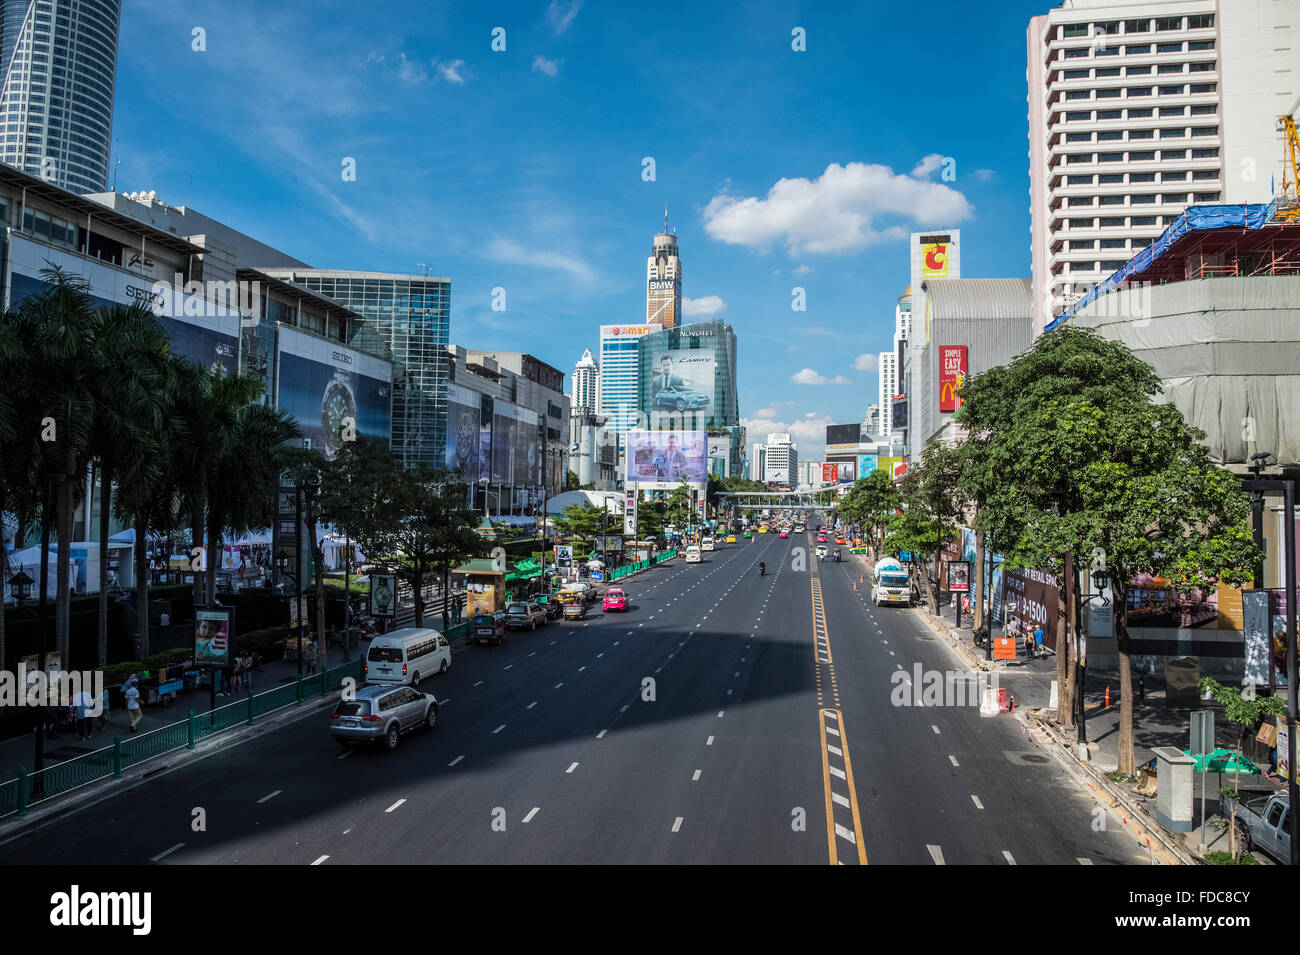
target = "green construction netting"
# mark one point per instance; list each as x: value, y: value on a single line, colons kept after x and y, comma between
x: 1224, y: 761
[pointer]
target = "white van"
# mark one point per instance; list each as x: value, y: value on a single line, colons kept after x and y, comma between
x: 407, y: 656
x: 693, y: 555
x: 706, y: 543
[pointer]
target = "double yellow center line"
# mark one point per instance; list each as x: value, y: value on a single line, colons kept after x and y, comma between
x: 837, y: 769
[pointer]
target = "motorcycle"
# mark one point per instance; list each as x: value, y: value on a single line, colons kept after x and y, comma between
x: 982, y: 636
x: 762, y: 569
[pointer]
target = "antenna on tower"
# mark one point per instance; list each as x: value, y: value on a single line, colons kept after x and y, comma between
x: 665, y: 218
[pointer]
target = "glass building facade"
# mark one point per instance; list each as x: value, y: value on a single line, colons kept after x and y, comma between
x: 56, y: 100
x: 407, y: 320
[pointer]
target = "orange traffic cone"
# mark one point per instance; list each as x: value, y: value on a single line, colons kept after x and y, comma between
x: 1012, y: 706
x: 1107, y: 704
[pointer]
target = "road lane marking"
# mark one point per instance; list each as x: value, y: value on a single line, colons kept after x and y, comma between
x: 976, y: 800
x: 1009, y: 857
x: 269, y: 796
x: 531, y: 705
x: 833, y: 731
x: 572, y: 767
x: 581, y: 668
x: 677, y: 824
x: 836, y: 771
x: 395, y: 805
x: 456, y: 760
x: 834, y: 749
x: 345, y: 754
x: 624, y: 707
x: 935, y: 728
x: 953, y: 759
x: 507, y: 666
x: 845, y: 833
x: 479, y: 683
x: 601, y: 734
x: 720, y: 712
x: 709, y: 741
x: 320, y: 860
x: 498, y: 729
x: 696, y: 777
x: 839, y: 800
x: 166, y: 853
x: 936, y: 853
x: 532, y: 812
x: 557, y: 686
x: 1083, y: 861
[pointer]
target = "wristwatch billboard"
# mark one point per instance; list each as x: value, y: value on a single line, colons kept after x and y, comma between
x: 337, y: 405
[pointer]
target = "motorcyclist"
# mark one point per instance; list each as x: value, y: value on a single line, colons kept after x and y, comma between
x: 762, y: 568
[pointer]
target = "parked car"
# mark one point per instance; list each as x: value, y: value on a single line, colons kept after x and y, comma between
x: 614, y: 599
x: 521, y: 614
x: 489, y: 628
x: 382, y: 714
x: 1264, y: 819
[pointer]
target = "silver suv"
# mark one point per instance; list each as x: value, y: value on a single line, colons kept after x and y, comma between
x: 381, y: 714
x: 521, y: 614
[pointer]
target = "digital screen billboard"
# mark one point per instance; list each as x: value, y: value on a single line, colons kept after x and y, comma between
x: 866, y: 465
x: 683, y: 380
x: 843, y: 433
x: 332, y: 390
x: 898, y: 410
x: 462, y: 431
x: 847, y: 468
x: 660, y: 460
x: 829, y: 472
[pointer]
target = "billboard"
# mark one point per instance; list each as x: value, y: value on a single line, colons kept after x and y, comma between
x: 934, y: 257
x: 683, y: 380
x: 660, y: 460
x: 463, y: 431
x: 898, y: 411
x: 630, y: 497
x: 335, y: 394
x: 1029, y: 601
x: 843, y: 434
x: 952, y: 372
x: 213, y: 637
x: 866, y: 464
x: 829, y: 473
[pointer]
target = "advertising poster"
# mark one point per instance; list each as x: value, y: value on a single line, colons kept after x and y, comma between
x: 480, y: 596
x: 846, y: 473
x: 898, y: 414
x: 866, y: 465
x: 887, y: 464
x: 383, y: 595
x: 1029, y: 602
x: 1283, y: 747
x: 934, y: 260
x: 830, y: 473
x: 660, y: 460
x: 213, y: 639
x: 1153, y: 602
x: 683, y: 380
x: 958, y: 576
x: 1256, y: 633
x: 563, y: 556
x: 485, y: 437
x: 462, y: 431
x: 502, y: 441
x: 952, y: 373
x: 334, y: 393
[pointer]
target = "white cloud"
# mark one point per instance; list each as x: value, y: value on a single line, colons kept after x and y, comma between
x: 409, y: 71
x: 508, y: 250
x: 707, y: 305
x: 803, y: 270
x: 807, y: 376
x: 927, y: 165
x: 559, y: 16
x: 867, y: 362
x: 808, y: 432
x: 542, y: 65
x: 449, y: 70
x: 834, y: 213
x: 984, y: 175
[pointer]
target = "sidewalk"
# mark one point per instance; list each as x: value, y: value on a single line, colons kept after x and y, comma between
x: 66, y: 744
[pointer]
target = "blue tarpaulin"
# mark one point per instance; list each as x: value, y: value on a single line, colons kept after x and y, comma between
x: 1194, y: 218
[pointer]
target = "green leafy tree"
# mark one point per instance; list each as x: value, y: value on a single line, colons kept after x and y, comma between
x: 677, y: 507
x: 869, y: 504
x: 1085, y: 464
x: 580, y: 522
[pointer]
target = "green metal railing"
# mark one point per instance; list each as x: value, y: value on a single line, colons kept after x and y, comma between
x: 17, y: 795
x: 627, y: 570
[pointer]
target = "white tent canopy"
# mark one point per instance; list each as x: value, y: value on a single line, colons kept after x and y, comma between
x: 29, y: 561
x: 557, y: 504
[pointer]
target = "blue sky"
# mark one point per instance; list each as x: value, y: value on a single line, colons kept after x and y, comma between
x: 523, y: 169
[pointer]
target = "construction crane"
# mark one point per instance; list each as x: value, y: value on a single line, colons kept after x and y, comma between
x: 1288, y: 201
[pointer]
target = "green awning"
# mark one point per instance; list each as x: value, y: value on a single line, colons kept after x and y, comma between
x: 1224, y: 761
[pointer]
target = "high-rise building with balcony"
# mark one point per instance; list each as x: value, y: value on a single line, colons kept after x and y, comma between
x: 1138, y: 110
x: 59, y: 62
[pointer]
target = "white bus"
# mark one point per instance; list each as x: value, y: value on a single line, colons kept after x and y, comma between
x: 407, y: 656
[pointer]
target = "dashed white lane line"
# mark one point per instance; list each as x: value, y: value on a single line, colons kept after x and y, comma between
x: 395, y: 805
x: 1083, y: 861
x: 456, y: 760
x: 531, y: 705
x: 554, y: 642
x: 624, y: 707
x: 320, y: 860
x: 572, y: 767
x: 709, y: 741
x: 935, y: 728
x: 695, y: 778
x: 533, y: 654
x: 498, y: 729
x: 479, y: 683
x: 677, y: 824
x: 1011, y: 860
x: 345, y: 754
x: 269, y: 796
x: 976, y: 800
x: 601, y: 734
x: 599, y: 655
x: 581, y: 668
x: 167, y: 852
x: 507, y: 666
x: 844, y: 833
x: 953, y: 759
x: 936, y: 853
x: 736, y: 674
x: 557, y: 686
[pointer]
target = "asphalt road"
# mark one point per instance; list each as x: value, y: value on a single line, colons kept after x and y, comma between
x: 726, y: 718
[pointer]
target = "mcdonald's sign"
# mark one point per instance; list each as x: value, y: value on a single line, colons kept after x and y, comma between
x: 952, y: 373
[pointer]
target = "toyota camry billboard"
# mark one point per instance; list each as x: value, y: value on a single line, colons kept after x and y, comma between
x: 661, y: 460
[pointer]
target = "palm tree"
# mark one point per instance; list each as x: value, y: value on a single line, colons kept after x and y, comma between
x: 130, y: 402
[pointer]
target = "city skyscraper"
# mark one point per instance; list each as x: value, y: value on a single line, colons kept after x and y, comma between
x: 888, y: 388
x: 1138, y: 110
x: 620, y: 375
x: 59, y: 59
x: 663, y: 298
x: 586, y: 385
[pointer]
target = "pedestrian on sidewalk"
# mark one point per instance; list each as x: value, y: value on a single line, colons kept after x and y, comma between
x: 311, y: 658
x: 82, y: 704
x: 103, y: 711
x: 133, y: 711
x: 323, y: 657
x: 1038, y: 641
x: 237, y: 675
